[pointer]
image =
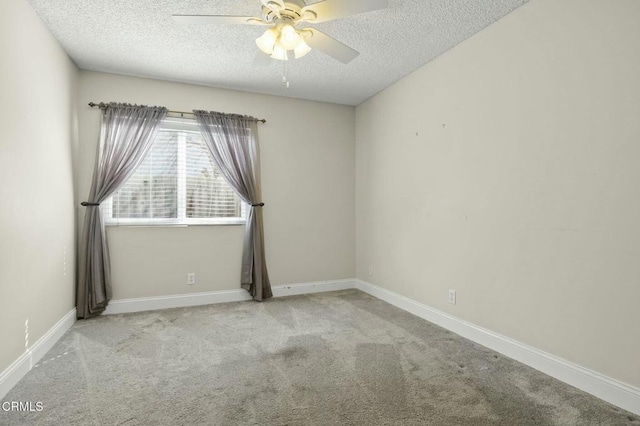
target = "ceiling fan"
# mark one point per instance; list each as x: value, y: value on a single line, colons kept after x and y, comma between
x: 284, y: 18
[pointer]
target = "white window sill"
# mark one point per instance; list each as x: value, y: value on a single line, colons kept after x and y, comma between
x: 174, y: 224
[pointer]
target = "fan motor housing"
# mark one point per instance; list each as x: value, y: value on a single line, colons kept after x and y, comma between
x: 292, y: 11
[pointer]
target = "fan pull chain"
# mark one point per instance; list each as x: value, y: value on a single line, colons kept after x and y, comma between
x: 285, y: 73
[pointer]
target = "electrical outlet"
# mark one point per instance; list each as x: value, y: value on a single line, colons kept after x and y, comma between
x: 191, y: 278
x: 452, y: 296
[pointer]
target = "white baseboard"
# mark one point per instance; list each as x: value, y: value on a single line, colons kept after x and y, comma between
x: 21, y: 366
x: 613, y: 391
x: 314, y: 287
x: 125, y: 306
x: 140, y: 304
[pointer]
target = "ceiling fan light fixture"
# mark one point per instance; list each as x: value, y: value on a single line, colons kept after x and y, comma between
x: 284, y: 16
x: 267, y: 41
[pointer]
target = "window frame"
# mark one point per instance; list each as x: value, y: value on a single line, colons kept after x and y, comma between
x: 183, y: 126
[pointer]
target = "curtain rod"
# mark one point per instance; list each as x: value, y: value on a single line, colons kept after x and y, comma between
x: 101, y: 105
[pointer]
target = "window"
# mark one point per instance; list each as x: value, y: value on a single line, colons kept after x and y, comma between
x: 177, y: 183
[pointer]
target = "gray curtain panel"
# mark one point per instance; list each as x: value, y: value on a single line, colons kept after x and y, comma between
x: 233, y: 142
x: 126, y: 135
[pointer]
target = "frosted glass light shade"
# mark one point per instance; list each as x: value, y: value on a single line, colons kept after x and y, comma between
x: 302, y: 49
x: 279, y: 52
x: 267, y: 41
x: 289, y: 37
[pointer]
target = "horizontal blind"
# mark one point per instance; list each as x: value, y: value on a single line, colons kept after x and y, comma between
x: 177, y: 182
x: 208, y: 193
x: 151, y: 192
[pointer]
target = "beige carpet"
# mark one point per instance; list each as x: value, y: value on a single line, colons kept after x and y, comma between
x: 326, y: 359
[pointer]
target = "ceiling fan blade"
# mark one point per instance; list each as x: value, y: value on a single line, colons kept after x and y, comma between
x: 332, y: 47
x: 218, y: 19
x: 333, y: 9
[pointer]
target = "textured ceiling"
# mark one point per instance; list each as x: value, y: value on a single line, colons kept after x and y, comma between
x: 139, y: 38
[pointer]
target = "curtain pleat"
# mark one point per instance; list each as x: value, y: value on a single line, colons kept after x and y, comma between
x: 126, y: 135
x: 233, y: 143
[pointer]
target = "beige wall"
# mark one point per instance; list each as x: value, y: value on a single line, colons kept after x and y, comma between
x: 308, y: 157
x: 508, y: 169
x: 37, y: 244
